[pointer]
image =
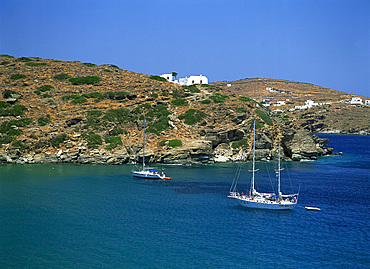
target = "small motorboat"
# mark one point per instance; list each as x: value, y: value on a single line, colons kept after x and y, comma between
x: 312, y: 208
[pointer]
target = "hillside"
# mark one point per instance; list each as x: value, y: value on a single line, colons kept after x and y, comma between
x: 336, y: 116
x: 68, y: 111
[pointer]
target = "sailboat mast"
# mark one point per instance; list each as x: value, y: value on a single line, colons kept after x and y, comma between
x: 279, y: 192
x: 254, y: 149
x: 144, y: 145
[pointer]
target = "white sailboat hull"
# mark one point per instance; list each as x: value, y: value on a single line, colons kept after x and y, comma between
x: 149, y: 175
x: 266, y: 204
x: 263, y: 203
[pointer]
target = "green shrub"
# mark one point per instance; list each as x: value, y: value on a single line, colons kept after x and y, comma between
x: 46, y: 95
x: 266, y: 118
x: 113, y: 141
x: 158, y: 126
x: 85, y: 80
x: 7, y: 139
x: 107, y: 70
x: 62, y: 76
x: 4, y: 63
x: 119, y: 115
x: 116, y: 131
x: 192, y: 116
x: 174, y: 143
x: 6, y: 127
x: 24, y: 59
x: 118, y: 95
x: 6, y: 55
x: 162, y: 143
x: 191, y: 88
x: 76, y: 99
x: 17, y: 76
x: 45, y: 88
x: 4, y: 104
x: 89, y: 64
x: 97, y: 95
x: 238, y: 110
x: 241, y: 143
x: 219, y: 98
x: 206, y: 102
x: 157, y: 111
x: 244, y: 99
x: 158, y: 78
x: 93, y: 140
x: 38, y: 92
x: 93, y: 119
x: 35, y: 64
x: 56, y: 141
x: 258, y: 124
x: 154, y: 95
x: 42, y: 121
x: 16, y: 110
x: 180, y: 102
x: 114, y: 66
x: 33, y: 136
x: 17, y: 144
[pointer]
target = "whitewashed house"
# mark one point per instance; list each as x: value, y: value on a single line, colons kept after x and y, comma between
x: 367, y: 102
x: 169, y: 78
x: 279, y: 103
x: 187, y: 80
x: 356, y: 101
x: 193, y: 80
x: 307, y: 104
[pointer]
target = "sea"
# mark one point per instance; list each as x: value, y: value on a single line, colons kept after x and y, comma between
x: 96, y: 216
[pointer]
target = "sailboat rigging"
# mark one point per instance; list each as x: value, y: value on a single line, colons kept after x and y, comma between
x: 256, y: 199
x: 149, y: 172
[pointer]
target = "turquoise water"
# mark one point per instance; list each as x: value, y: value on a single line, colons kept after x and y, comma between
x: 69, y: 216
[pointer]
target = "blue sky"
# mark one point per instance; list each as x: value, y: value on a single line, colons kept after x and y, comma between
x: 323, y: 42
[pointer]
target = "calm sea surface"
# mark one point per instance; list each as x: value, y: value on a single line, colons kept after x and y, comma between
x: 70, y: 216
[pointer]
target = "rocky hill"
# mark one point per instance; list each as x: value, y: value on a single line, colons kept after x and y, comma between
x: 73, y: 112
x: 333, y: 114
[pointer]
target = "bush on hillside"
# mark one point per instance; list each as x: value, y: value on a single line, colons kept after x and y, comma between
x: 17, y: 76
x: 218, y: 98
x: 174, y: 143
x: 263, y: 115
x: 158, y: 78
x: 180, y: 102
x: 42, y: 121
x: 62, y: 76
x: 85, y: 80
x: 192, y: 116
x: 35, y: 64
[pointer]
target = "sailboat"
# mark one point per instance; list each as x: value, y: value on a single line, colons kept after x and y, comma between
x: 255, y: 199
x: 149, y: 172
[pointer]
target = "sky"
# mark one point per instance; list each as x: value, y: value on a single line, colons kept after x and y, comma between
x: 323, y: 42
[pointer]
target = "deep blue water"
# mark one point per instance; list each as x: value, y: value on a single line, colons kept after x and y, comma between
x: 69, y: 216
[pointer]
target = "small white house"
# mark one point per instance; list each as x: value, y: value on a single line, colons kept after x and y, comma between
x: 367, y: 102
x: 356, y: 101
x: 310, y: 103
x: 169, y: 78
x: 187, y: 80
x: 193, y: 80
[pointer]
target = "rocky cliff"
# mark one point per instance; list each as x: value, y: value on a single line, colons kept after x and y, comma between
x: 71, y: 112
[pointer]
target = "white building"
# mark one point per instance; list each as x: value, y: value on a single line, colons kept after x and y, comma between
x: 169, y: 78
x: 356, y: 101
x: 367, y: 102
x: 193, y: 80
x: 279, y: 103
x: 187, y: 80
x: 307, y: 104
